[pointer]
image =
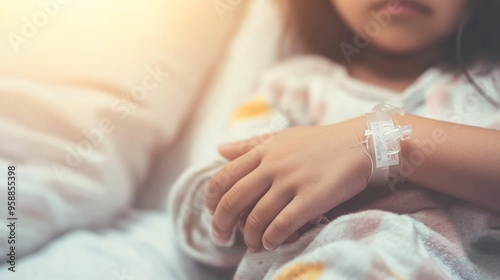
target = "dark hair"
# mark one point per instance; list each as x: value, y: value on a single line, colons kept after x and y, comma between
x: 317, y: 25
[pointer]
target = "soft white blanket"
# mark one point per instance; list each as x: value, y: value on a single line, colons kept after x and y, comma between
x: 454, y: 241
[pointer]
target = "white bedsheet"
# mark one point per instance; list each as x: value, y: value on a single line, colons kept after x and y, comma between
x: 138, y: 246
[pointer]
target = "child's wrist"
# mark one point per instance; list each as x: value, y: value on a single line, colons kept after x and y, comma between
x: 359, y: 125
x: 384, y: 141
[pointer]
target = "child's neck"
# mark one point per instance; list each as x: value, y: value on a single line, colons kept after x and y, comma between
x: 395, y: 72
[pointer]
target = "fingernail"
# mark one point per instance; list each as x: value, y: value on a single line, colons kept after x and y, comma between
x: 268, y: 248
x: 219, y: 238
x: 216, y: 234
x: 241, y: 227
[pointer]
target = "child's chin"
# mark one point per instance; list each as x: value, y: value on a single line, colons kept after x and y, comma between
x: 400, y: 47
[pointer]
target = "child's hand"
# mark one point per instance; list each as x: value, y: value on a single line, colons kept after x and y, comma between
x: 287, y: 180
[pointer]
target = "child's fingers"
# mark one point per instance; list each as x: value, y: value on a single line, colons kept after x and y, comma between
x: 234, y: 150
x: 296, y: 214
x: 223, y: 180
x: 240, y: 198
x: 261, y: 216
x: 242, y: 221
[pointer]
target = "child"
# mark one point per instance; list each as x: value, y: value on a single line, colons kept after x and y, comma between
x: 397, y: 52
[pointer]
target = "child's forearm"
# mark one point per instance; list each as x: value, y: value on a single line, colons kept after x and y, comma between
x: 458, y: 160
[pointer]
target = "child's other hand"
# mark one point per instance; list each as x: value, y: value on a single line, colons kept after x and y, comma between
x: 286, y: 180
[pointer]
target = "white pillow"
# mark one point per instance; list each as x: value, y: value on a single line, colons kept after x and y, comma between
x: 253, y: 49
x: 90, y: 90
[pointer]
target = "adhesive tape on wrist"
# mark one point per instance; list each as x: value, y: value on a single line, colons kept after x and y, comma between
x: 382, y: 141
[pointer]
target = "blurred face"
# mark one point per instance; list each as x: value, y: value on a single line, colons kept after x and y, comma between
x: 402, y: 26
